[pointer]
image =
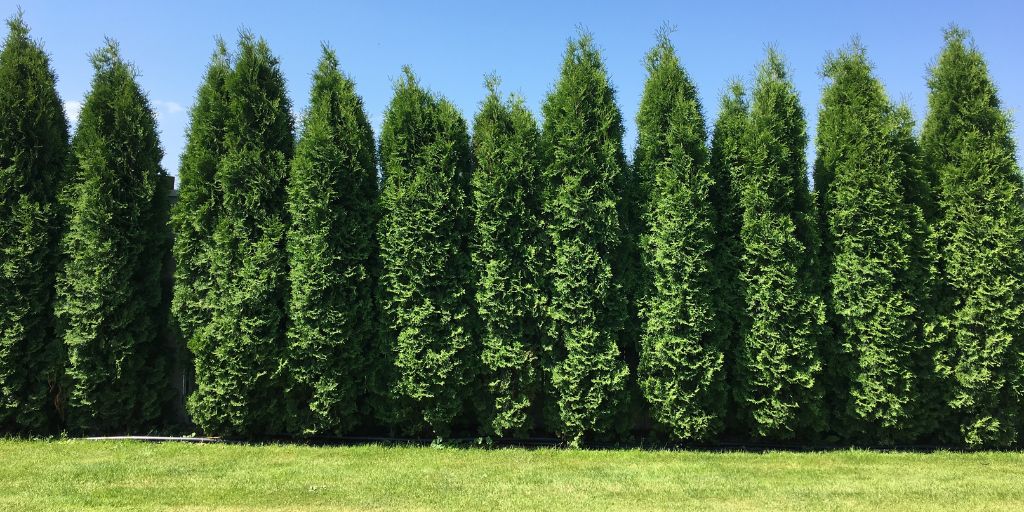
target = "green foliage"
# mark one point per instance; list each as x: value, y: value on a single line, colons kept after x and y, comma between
x: 332, y: 196
x: 427, y: 272
x: 583, y: 140
x: 968, y: 149
x: 238, y: 356
x: 199, y: 201
x: 109, y: 290
x: 33, y: 154
x: 726, y: 159
x: 779, y: 390
x: 518, y: 279
x: 681, y: 369
x: 874, y: 241
x: 726, y: 168
x: 508, y: 254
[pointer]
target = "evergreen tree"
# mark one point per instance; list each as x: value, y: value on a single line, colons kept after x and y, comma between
x: 873, y: 254
x: 238, y: 356
x: 681, y: 369
x: 199, y: 201
x: 109, y: 289
x: 332, y: 194
x: 967, y: 147
x: 779, y: 392
x: 583, y: 179
x: 727, y: 166
x: 33, y: 153
x: 508, y: 254
x: 427, y: 273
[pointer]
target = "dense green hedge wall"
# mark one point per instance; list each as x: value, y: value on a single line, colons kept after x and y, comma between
x: 585, y: 164
x: 779, y: 391
x: 33, y: 167
x: 682, y: 354
x: 332, y: 199
x: 520, y: 277
x: 979, y: 237
x: 109, y: 297
x: 874, y: 240
x: 241, y: 354
x: 427, y: 277
x: 509, y: 255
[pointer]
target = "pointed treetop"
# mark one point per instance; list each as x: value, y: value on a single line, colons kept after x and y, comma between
x: 856, y: 46
x: 735, y: 94
x: 17, y: 26
x: 253, y: 47
x: 108, y: 58
x: 582, y: 49
x: 408, y: 78
x: 664, y: 52
x: 328, y: 57
x: 584, y: 37
x: 664, y: 33
x: 956, y: 35
x: 854, y: 54
x: 492, y: 82
x: 245, y: 36
x: 258, y: 46
x: 773, y: 68
x: 960, y: 49
x: 108, y: 55
x: 960, y: 45
x: 220, y: 52
x: 328, y: 69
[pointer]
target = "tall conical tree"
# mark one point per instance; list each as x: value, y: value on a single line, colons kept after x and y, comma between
x: 933, y: 419
x: 332, y: 196
x: 33, y: 154
x: 109, y: 289
x: 779, y: 391
x: 427, y: 275
x: 508, y: 256
x: 240, y: 389
x: 727, y: 166
x: 681, y: 369
x: 199, y: 201
x: 967, y: 146
x: 585, y: 162
x: 874, y: 238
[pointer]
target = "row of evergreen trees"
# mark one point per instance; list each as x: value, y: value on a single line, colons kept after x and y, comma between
x: 83, y: 240
x: 523, y: 279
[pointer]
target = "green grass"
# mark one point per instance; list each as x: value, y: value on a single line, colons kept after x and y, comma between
x: 90, y: 475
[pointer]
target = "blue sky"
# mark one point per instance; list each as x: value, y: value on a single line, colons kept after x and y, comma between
x: 452, y: 45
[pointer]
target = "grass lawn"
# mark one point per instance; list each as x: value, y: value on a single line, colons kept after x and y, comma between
x: 91, y: 475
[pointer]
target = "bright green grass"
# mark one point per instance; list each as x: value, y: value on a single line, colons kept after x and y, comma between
x: 84, y: 475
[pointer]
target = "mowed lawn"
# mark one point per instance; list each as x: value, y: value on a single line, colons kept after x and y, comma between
x: 90, y: 475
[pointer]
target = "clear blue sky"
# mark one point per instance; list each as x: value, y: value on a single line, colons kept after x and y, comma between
x: 452, y: 45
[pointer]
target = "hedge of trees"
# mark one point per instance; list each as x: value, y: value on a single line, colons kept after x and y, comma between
x: 516, y: 277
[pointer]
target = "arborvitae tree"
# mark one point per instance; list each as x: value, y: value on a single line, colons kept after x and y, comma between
x: 109, y: 288
x: 33, y: 153
x: 585, y: 162
x: 933, y: 417
x: 779, y: 392
x: 238, y: 356
x: 332, y: 195
x: 508, y: 257
x: 427, y: 273
x: 727, y: 167
x: 873, y: 242
x: 681, y: 370
x: 199, y: 201
x: 968, y: 147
